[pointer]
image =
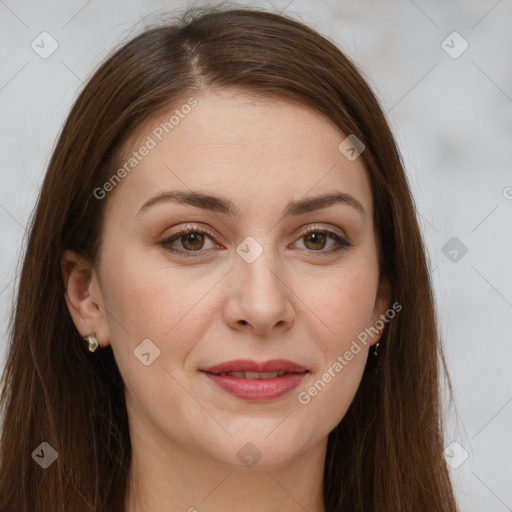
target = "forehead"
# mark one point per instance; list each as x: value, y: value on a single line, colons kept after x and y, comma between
x: 252, y: 149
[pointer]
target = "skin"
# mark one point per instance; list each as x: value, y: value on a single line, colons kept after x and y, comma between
x: 290, y: 303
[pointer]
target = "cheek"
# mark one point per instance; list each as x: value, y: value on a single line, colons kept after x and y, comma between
x: 355, y: 300
x: 343, y: 307
x: 146, y: 298
x: 325, y: 399
x: 150, y: 300
x: 339, y: 307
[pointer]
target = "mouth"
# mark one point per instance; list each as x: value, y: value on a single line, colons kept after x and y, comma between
x: 249, y: 369
x: 252, y: 375
x: 255, y: 381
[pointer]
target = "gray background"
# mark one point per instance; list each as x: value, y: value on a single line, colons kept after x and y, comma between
x: 453, y: 121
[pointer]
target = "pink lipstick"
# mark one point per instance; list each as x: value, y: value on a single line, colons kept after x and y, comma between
x: 251, y: 380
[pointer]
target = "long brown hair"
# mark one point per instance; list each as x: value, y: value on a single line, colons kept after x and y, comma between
x: 386, y: 454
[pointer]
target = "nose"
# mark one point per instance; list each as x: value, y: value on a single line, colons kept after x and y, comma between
x: 260, y: 298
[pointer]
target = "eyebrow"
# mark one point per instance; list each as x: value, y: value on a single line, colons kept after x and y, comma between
x: 225, y: 206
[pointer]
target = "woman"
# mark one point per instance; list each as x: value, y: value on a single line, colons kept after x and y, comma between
x: 224, y: 302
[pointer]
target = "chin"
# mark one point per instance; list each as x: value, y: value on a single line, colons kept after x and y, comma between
x: 262, y: 451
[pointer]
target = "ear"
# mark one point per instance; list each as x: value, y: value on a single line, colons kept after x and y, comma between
x: 83, y: 297
x: 382, y: 304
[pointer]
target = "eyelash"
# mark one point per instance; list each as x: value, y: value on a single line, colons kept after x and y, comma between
x: 343, y: 244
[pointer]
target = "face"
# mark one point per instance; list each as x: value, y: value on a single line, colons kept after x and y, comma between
x: 251, y: 278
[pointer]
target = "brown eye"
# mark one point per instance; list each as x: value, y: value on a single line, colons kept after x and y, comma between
x: 317, y: 240
x: 192, y: 241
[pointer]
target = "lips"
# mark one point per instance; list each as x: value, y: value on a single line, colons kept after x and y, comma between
x: 253, y: 375
x: 251, y: 367
x: 250, y: 380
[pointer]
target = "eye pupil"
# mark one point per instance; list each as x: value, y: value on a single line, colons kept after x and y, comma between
x: 196, y: 239
x: 193, y: 240
x: 318, y: 238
